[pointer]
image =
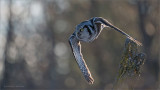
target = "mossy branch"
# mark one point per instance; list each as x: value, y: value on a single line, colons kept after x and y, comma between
x: 131, y: 61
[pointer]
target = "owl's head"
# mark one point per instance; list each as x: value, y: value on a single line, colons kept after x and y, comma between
x: 83, y: 32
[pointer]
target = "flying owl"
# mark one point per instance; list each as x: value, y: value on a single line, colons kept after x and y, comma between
x: 87, y: 31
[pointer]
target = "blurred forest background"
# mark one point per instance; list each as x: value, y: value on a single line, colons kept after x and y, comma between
x: 35, y: 53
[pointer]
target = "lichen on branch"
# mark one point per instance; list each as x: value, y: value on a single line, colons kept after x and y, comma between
x: 132, y: 60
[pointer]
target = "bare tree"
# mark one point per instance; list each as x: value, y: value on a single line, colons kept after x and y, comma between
x: 144, y: 17
x: 9, y: 39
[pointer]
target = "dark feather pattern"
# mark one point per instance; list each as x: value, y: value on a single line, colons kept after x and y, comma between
x: 76, y: 48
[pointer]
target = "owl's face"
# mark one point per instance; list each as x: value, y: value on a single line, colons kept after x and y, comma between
x: 83, y: 32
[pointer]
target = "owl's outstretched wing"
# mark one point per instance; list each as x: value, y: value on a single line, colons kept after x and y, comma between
x: 76, y: 49
x: 106, y: 23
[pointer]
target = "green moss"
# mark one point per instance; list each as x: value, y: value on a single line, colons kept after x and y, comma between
x: 131, y: 61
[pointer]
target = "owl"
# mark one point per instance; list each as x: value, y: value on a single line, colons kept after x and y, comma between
x: 88, y: 31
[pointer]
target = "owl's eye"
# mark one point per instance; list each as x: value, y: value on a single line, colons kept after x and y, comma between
x: 81, y: 29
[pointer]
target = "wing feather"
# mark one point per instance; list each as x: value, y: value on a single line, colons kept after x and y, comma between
x: 76, y: 49
x: 105, y: 22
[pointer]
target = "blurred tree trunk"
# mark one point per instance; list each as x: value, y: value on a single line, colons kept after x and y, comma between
x: 17, y: 73
x: 158, y: 24
x: 49, y: 17
x: 9, y: 39
x: 94, y: 10
x: 11, y: 79
x: 143, y: 7
x: 143, y: 12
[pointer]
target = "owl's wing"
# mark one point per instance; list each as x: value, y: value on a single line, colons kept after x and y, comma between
x: 76, y: 49
x: 108, y: 24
